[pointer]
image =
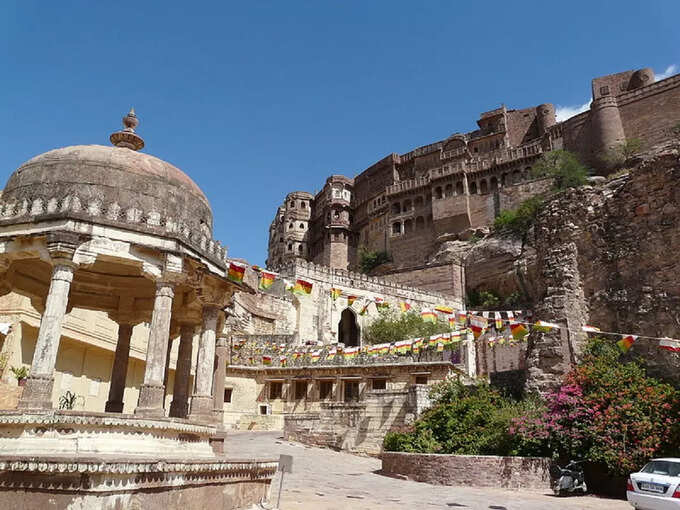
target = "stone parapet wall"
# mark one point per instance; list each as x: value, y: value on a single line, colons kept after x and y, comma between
x: 469, y: 470
x: 300, y: 268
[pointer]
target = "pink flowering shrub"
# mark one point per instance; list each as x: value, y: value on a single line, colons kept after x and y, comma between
x: 607, y: 411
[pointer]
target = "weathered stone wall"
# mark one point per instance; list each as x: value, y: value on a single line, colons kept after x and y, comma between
x: 606, y: 256
x: 441, y: 278
x: 469, y: 470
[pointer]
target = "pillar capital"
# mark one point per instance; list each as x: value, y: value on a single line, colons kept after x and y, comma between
x: 62, y: 246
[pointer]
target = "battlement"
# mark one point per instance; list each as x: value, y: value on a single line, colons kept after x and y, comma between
x: 341, y: 277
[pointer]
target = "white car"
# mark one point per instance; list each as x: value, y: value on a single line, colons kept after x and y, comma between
x: 656, y: 486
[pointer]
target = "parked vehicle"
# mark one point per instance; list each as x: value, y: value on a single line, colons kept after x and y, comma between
x: 656, y: 486
x: 569, y: 479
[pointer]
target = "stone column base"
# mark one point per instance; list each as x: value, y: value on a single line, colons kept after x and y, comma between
x: 179, y: 409
x: 151, y: 400
x: 113, y: 407
x: 37, y: 393
x: 202, y: 408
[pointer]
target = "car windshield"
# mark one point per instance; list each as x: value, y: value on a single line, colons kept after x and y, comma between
x: 662, y: 467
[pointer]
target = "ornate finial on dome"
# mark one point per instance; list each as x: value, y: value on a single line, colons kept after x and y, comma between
x: 127, y: 137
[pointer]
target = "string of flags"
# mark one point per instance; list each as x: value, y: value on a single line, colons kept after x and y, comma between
x: 271, y: 353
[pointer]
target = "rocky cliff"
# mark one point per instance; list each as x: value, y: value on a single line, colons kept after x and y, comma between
x: 607, y: 255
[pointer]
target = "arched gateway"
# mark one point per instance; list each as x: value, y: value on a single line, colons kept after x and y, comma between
x: 348, y: 329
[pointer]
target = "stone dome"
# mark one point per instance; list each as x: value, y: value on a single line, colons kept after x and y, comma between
x: 118, y: 184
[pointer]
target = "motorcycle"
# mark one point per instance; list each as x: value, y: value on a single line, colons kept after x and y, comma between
x: 569, y: 479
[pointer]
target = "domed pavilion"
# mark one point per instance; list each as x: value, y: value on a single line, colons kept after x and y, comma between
x: 116, y: 230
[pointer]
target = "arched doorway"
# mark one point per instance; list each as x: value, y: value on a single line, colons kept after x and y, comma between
x: 348, y: 330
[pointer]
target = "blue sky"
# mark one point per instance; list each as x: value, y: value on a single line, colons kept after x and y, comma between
x: 256, y: 99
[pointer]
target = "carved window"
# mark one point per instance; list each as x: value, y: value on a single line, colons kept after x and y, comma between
x: 604, y: 90
x: 302, y: 226
x: 438, y: 192
x: 325, y: 390
x: 290, y: 246
x: 351, y: 391
x: 396, y: 228
x: 379, y: 384
x: 300, y: 390
x: 275, y: 390
x: 421, y: 379
x: 227, y: 395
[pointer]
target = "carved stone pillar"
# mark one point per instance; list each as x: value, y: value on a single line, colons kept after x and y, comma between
x: 202, y: 401
x: 38, y: 389
x: 221, y: 353
x: 152, y: 391
x: 179, y: 407
x: 119, y: 373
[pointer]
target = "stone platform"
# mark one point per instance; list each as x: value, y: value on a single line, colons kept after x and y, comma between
x: 105, y: 461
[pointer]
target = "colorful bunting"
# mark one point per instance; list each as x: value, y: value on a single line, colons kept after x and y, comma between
x: 236, y: 272
x: 590, y: 329
x: 351, y: 300
x: 404, y: 306
x: 335, y: 293
x: 267, y: 279
x: 499, y: 321
x: 428, y: 316
x: 669, y: 344
x: 545, y: 327
x: 518, y: 330
x: 626, y: 343
x: 478, y: 325
x: 302, y: 287
x: 444, y: 309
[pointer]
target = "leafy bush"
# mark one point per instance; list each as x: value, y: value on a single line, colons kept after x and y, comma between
x: 20, y: 372
x: 617, y: 156
x: 491, y: 300
x: 607, y: 411
x: 391, y: 326
x: 519, y: 221
x: 468, y: 420
x: 369, y: 260
x: 563, y: 167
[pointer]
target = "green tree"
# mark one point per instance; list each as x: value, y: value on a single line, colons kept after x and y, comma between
x: 392, y: 326
x: 563, y: 167
x: 517, y: 222
x: 369, y: 259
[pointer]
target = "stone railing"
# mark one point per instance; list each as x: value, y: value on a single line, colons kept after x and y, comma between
x: 469, y: 470
x: 301, y: 268
x: 96, y: 211
x: 402, y: 186
x: 453, y: 153
x: 420, y: 151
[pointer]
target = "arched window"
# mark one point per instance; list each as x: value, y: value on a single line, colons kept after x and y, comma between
x: 459, y: 188
x: 516, y: 176
x: 396, y: 208
x: 290, y: 226
x: 290, y: 246
x: 449, y: 190
x: 302, y: 226
x: 483, y: 187
x: 472, y: 188
x: 396, y: 228
x: 408, y: 226
x: 504, y: 179
x: 407, y: 205
x: 494, y: 184
x: 420, y: 223
x: 303, y: 205
x: 438, y: 192
x: 299, y: 248
x: 292, y: 204
x: 336, y: 214
x: 419, y: 202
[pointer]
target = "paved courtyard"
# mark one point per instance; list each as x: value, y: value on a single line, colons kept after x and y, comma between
x: 324, y: 479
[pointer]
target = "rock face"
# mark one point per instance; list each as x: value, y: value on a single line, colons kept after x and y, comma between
x: 607, y: 256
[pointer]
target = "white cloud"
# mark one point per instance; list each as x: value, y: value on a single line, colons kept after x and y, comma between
x: 565, y: 112
x: 670, y: 71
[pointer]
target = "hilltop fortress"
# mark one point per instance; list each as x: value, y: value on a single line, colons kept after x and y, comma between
x: 408, y: 204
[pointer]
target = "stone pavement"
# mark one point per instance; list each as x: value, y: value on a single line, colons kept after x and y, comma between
x: 324, y: 479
